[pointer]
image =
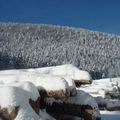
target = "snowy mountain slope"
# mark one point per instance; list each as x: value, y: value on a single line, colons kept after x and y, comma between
x: 31, y: 45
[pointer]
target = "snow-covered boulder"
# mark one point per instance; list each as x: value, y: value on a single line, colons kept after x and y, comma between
x: 68, y: 70
x: 82, y: 105
x: 64, y: 71
x: 53, y: 85
x: 19, y: 101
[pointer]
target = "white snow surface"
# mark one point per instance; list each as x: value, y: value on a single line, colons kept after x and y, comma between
x: 18, y: 94
x: 14, y: 87
x: 45, y: 81
x: 51, y: 83
x: 97, y: 89
x: 82, y: 98
x: 47, y: 77
x: 67, y: 70
x: 101, y: 86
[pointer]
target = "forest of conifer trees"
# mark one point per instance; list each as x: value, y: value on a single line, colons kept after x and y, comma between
x: 33, y: 45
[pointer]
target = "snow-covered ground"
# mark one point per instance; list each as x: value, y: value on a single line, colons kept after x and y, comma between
x: 18, y: 86
x: 13, y: 82
x: 98, y: 90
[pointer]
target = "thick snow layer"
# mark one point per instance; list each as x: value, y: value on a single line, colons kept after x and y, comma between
x: 100, y: 87
x: 47, y: 77
x: 51, y: 83
x: 45, y: 81
x: 18, y: 94
x: 29, y: 88
x: 83, y: 98
x: 66, y: 70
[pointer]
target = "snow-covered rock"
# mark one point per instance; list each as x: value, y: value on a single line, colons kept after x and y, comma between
x: 18, y: 96
x: 106, y: 93
x: 67, y: 70
x: 81, y: 102
x: 64, y: 85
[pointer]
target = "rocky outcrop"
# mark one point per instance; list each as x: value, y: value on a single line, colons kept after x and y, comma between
x: 35, y: 104
x: 78, y: 83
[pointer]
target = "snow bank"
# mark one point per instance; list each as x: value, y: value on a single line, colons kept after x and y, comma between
x: 51, y: 83
x: 48, y: 77
x: 65, y: 70
x: 83, y: 98
x: 46, y: 81
x: 106, y: 92
x: 16, y: 91
x: 102, y: 86
x: 62, y: 70
x: 42, y: 81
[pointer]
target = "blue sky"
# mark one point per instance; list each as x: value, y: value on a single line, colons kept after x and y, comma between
x: 98, y: 15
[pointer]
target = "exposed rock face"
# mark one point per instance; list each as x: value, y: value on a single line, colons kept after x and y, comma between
x: 35, y: 105
x: 78, y: 83
x: 87, y: 112
x: 9, y: 113
x: 58, y: 93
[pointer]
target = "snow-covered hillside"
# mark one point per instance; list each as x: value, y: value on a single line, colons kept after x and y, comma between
x: 29, y: 45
